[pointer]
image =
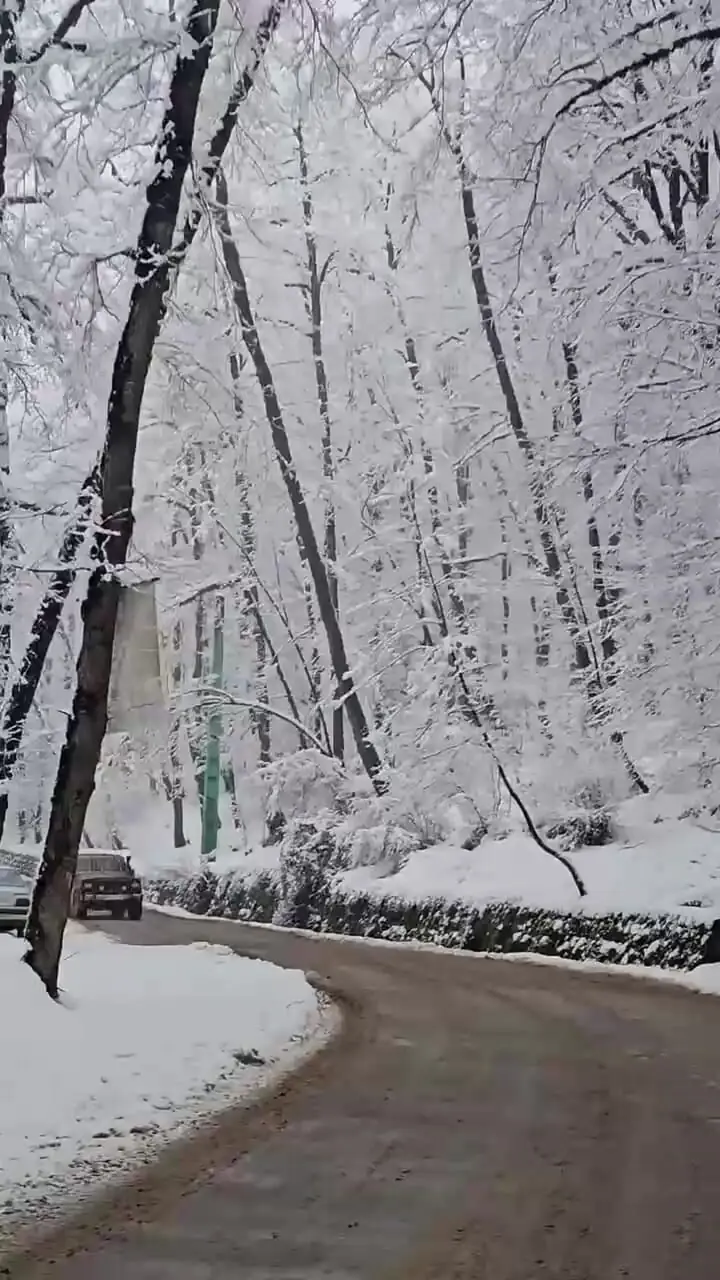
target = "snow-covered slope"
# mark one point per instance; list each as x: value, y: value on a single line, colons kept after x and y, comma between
x: 144, y: 1041
x: 656, y: 864
x: 663, y: 859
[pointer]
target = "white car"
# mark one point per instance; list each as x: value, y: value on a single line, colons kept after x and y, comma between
x: 15, y: 895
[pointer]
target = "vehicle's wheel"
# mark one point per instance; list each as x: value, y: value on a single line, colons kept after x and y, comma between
x: 135, y: 911
x: 117, y: 913
x: 80, y: 913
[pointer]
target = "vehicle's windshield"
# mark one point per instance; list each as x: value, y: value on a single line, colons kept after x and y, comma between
x: 13, y: 878
x: 93, y: 864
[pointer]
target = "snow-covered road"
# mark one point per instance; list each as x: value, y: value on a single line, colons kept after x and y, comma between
x: 144, y: 1042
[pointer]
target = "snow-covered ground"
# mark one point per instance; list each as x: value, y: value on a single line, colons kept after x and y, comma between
x: 144, y: 1042
x: 663, y: 859
x: 659, y: 862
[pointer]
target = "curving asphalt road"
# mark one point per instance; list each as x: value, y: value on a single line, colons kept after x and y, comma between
x: 475, y: 1120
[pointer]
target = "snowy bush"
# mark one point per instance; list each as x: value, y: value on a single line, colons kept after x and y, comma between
x: 308, y: 901
x: 386, y: 845
x: 193, y: 894
x: 475, y: 836
x: 26, y: 863
x: 309, y: 856
x: 231, y: 897
x: 582, y: 829
x: 306, y: 782
x: 666, y: 941
x: 246, y: 897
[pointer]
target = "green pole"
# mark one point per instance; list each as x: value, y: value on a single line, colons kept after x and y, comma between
x: 211, y: 780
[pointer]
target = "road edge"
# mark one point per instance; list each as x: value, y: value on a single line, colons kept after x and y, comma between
x: 190, y: 1159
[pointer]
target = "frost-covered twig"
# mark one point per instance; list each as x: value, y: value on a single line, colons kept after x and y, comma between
x: 212, y: 695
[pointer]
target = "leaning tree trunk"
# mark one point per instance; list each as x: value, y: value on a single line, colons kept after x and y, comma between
x: 155, y: 261
x: 43, y: 630
x: 347, y: 690
x: 251, y: 595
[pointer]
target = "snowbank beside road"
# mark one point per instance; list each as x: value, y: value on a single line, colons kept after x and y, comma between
x: 662, y: 860
x: 658, y: 863
x: 144, y: 1041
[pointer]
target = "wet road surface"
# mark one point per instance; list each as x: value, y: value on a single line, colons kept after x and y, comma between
x: 474, y: 1119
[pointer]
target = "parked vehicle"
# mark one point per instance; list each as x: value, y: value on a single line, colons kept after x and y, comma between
x: 15, y: 895
x: 106, y: 882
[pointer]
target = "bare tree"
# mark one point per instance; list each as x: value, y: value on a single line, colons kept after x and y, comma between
x: 13, y: 61
x: 571, y: 611
x: 347, y: 689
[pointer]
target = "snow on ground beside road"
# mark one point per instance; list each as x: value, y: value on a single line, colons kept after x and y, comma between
x: 663, y: 860
x: 660, y: 862
x: 144, y: 1042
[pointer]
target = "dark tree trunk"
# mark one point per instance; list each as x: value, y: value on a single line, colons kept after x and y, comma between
x: 172, y: 787
x: 8, y: 560
x: 177, y: 794
x: 505, y: 571
x: 173, y: 779
x: 599, y: 576
x: 9, y: 57
x: 42, y: 633
x: 551, y: 554
x: 306, y: 532
x: 449, y: 572
x: 313, y: 298
x: 155, y: 259
x: 251, y: 595
x: 602, y: 599
x: 178, y: 812
x: 261, y: 719
x: 196, y: 737
x: 583, y: 660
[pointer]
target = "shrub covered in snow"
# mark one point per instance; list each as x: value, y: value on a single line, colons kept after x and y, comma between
x: 585, y: 828
x: 253, y: 897
x: 309, y: 856
x: 25, y: 863
x: 306, y: 782
x: 664, y: 941
x: 309, y: 901
x: 386, y: 845
x: 475, y: 836
x: 200, y: 893
x: 232, y: 897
